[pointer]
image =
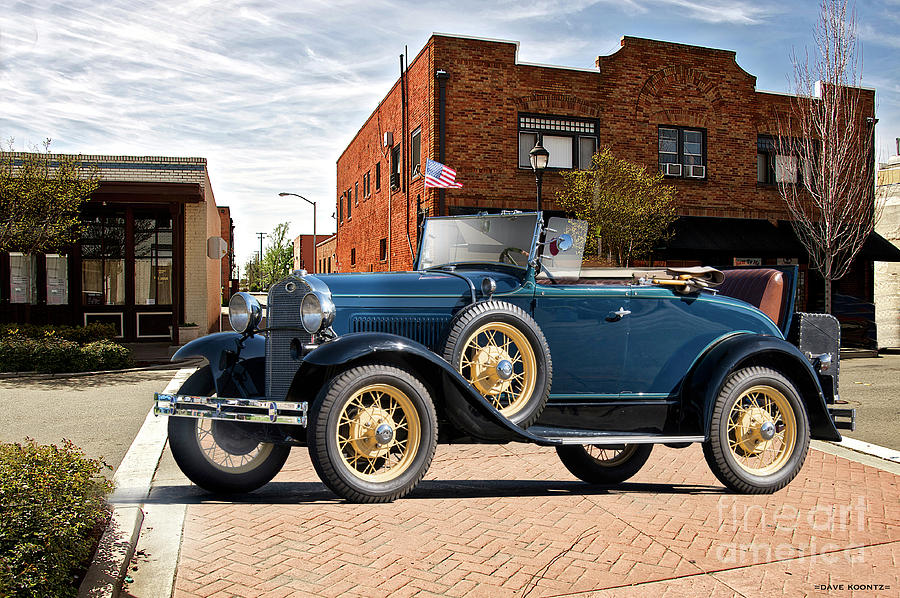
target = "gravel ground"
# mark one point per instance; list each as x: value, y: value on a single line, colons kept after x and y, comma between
x: 102, y: 413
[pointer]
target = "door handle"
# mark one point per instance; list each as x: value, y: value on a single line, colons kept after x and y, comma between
x: 615, y: 316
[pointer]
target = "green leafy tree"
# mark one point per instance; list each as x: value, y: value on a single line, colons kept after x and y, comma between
x: 626, y: 207
x: 40, y: 199
x: 251, y: 273
x: 278, y: 257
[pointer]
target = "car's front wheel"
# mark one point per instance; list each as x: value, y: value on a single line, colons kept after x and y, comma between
x: 759, y: 433
x: 372, y: 433
x: 219, y: 455
x: 603, y: 464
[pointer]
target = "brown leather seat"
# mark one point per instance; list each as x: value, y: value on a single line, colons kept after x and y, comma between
x: 762, y: 287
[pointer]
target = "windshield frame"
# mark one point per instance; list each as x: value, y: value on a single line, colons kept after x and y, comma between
x: 532, y: 250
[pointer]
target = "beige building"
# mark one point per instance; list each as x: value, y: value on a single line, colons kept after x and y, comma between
x: 887, y: 274
x: 141, y: 263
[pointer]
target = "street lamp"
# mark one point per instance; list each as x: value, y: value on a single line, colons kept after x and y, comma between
x: 539, y: 158
x: 315, y: 259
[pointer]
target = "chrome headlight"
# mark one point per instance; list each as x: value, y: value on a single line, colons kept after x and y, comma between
x: 316, y: 312
x: 244, y: 312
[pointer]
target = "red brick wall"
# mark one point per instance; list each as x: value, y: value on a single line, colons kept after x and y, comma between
x: 632, y: 92
x: 227, y: 263
x: 304, y: 252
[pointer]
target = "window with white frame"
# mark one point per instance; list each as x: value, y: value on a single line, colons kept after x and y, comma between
x: 571, y: 142
x: 415, y: 158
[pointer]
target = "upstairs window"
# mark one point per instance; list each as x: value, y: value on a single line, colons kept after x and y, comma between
x: 382, y: 249
x: 353, y: 256
x: 682, y: 152
x: 774, y: 167
x: 349, y: 203
x: 367, y: 187
x: 415, y: 160
x: 571, y: 142
x: 395, y: 167
x: 356, y: 192
x: 378, y: 176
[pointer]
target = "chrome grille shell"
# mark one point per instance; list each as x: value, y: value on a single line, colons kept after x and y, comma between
x: 283, y: 322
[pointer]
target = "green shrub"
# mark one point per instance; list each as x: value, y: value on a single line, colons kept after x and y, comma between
x: 51, y: 498
x: 52, y: 355
x: 78, y: 334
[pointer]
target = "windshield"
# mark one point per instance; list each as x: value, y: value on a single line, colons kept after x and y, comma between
x: 506, y: 238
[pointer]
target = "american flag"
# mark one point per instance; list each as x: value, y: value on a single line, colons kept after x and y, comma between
x: 438, y: 175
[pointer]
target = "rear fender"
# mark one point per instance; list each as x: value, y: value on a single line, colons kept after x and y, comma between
x: 743, y: 350
x: 452, y: 393
x: 236, y: 365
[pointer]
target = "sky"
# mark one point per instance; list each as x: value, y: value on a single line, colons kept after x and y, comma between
x: 270, y: 93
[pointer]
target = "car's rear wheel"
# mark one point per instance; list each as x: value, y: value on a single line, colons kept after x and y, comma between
x: 219, y: 455
x: 502, y: 352
x: 372, y: 433
x: 604, y: 464
x: 759, y: 433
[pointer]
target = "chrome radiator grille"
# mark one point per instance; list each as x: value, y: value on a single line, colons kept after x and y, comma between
x: 425, y: 329
x: 283, y: 311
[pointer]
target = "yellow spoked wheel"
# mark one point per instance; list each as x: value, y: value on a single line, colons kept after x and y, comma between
x: 378, y: 433
x: 372, y: 434
x: 498, y: 360
x: 758, y: 432
x: 761, y: 430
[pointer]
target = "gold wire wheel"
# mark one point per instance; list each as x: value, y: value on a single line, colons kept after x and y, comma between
x: 762, y: 430
x: 499, y: 362
x: 226, y: 449
x: 378, y: 433
x: 605, y: 456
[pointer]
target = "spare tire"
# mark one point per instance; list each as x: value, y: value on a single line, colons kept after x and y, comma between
x: 502, y: 352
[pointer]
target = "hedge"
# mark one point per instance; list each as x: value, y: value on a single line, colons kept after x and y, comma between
x: 51, y: 500
x: 78, y: 334
x: 51, y: 355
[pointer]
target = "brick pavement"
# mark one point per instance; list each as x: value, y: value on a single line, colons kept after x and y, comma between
x: 510, y: 521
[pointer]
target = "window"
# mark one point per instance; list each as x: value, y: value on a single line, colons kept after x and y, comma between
x: 395, y: 167
x: 684, y: 147
x: 356, y: 192
x: 415, y: 144
x: 22, y: 278
x: 57, y: 279
x: 152, y: 259
x: 773, y: 167
x: 378, y: 176
x: 349, y: 202
x: 353, y: 256
x: 571, y: 142
x: 103, y: 261
x: 340, y: 203
x: 367, y: 185
x: 382, y: 249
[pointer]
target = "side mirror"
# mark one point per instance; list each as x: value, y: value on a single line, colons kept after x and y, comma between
x: 561, y: 244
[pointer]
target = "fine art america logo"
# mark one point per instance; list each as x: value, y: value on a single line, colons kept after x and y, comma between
x: 807, y: 532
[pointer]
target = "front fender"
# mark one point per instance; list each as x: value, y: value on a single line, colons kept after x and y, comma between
x: 456, y: 392
x: 225, y: 351
x: 742, y: 350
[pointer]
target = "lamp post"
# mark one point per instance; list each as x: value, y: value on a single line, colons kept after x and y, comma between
x: 539, y: 157
x: 314, y: 264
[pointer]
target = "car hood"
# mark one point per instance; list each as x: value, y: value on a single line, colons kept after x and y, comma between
x: 432, y: 283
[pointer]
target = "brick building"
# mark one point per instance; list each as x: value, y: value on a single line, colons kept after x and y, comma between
x: 690, y: 111
x: 229, y: 275
x: 305, y: 253
x: 326, y: 256
x: 142, y: 262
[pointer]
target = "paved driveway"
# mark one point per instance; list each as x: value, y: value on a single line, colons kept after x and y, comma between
x: 872, y: 386
x: 100, y: 413
x: 510, y: 521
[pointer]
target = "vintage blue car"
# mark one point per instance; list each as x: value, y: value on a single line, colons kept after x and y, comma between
x: 496, y: 337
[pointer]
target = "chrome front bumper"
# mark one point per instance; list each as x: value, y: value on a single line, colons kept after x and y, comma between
x: 248, y: 410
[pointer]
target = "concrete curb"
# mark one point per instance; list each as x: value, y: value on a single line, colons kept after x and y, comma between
x: 35, y: 376
x: 132, y: 479
x: 860, y: 446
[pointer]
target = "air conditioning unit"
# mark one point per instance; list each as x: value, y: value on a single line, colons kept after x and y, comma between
x: 672, y: 169
x: 695, y: 171
x: 395, y: 180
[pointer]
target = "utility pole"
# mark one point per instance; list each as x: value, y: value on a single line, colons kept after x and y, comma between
x: 259, y: 262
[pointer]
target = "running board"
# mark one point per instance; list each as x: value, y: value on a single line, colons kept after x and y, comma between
x: 559, y: 436
x: 245, y: 410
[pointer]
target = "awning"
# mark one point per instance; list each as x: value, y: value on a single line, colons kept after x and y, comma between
x: 879, y: 249
x: 734, y: 236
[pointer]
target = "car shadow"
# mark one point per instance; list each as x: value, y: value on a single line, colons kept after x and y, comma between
x: 316, y: 492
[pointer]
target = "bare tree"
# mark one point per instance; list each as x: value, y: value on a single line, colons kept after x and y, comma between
x: 825, y: 165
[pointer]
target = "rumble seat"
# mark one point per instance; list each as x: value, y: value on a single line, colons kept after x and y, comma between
x: 762, y: 287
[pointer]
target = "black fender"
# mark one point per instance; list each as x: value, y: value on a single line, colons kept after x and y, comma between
x: 741, y: 350
x: 454, y: 392
x: 231, y: 356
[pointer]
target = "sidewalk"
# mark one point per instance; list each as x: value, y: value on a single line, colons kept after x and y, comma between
x: 510, y: 521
